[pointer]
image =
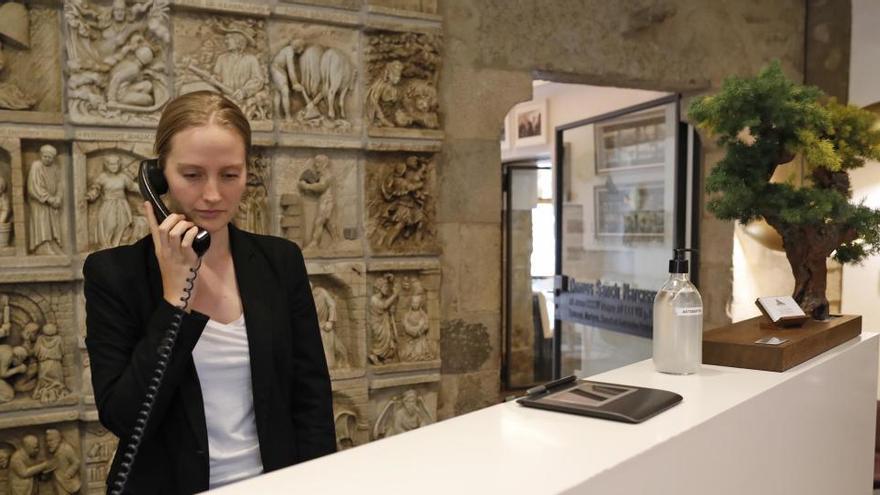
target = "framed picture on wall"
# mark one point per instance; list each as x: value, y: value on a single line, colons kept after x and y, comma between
x: 530, y: 123
x: 633, y: 211
x: 631, y: 142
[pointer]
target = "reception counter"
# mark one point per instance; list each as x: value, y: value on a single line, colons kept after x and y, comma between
x: 809, y: 430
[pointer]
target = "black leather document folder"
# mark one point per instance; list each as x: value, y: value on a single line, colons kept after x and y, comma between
x: 603, y: 400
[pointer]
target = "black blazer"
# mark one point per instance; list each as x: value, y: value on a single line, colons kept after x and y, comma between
x: 126, y: 317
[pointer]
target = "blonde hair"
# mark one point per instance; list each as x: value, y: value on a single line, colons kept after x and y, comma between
x: 197, y: 109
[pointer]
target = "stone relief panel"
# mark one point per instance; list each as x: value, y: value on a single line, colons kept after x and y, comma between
x: 403, y: 315
x: 45, y: 170
x: 108, y: 203
x: 30, y: 64
x: 98, y: 450
x: 117, y: 70
x: 227, y: 54
x: 314, y: 78
x: 253, y: 211
x: 339, y: 291
x: 40, y: 459
x: 70, y: 190
x: 403, y: 404
x: 402, y: 73
x: 9, y: 205
x: 38, y: 347
x: 318, y: 194
x: 351, y: 413
x: 401, y: 194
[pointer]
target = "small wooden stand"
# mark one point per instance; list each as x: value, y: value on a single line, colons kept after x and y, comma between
x: 734, y: 345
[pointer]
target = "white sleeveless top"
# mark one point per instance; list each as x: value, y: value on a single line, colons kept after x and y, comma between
x: 223, y: 365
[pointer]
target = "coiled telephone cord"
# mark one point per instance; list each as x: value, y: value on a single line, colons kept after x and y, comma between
x: 166, y: 346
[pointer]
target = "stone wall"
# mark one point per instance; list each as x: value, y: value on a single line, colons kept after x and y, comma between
x: 342, y: 96
x: 492, y: 51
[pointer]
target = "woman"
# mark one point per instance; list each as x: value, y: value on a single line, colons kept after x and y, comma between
x: 247, y: 388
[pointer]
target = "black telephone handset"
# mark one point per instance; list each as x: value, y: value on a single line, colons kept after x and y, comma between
x: 152, y: 183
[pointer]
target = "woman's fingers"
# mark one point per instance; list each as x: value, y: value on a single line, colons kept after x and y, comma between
x: 179, y: 228
x: 188, y: 237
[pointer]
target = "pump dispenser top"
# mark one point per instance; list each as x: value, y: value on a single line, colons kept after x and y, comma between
x: 678, y: 263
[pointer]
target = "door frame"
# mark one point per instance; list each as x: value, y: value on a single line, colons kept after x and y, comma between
x: 687, y: 191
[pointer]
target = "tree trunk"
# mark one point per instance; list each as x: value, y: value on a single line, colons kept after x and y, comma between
x: 806, y: 249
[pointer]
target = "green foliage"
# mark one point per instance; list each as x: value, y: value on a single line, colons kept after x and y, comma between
x: 762, y: 122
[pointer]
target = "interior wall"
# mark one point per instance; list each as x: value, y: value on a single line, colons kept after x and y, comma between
x: 493, y: 51
x: 861, y: 283
x: 568, y: 103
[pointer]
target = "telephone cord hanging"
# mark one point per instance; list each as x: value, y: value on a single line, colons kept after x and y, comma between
x: 166, y: 346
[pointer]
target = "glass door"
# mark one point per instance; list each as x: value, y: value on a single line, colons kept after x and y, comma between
x: 529, y: 248
x: 622, y: 189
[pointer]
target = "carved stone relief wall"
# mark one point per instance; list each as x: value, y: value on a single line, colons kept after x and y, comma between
x: 339, y: 291
x: 108, y: 204
x: 401, y: 203
x: 30, y: 64
x: 357, y: 197
x: 253, y: 211
x: 402, y: 404
x: 403, y: 70
x: 117, y: 71
x: 351, y: 413
x: 41, y: 459
x: 319, y: 205
x: 45, y: 170
x: 227, y: 54
x: 9, y: 151
x: 314, y: 78
x: 403, y: 316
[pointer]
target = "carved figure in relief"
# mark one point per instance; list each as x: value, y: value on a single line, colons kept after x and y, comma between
x: 382, y: 324
x: 326, y: 73
x: 384, y: 90
x: 50, y: 377
x: 334, y: 348
x: 64, y: 463
x: 11, y: 364
x: 5, y: 214
x: 239, y: 71
x: 114, y: 215
x: 27, y: 381
x: 44, y: 201
x: 318, y: 180
x: 126, y: 85
x: 403, y: 413
x: 115, y: 58
x: 11, y: 96
x: 252, y: 214
x: 283, y: 71
x: 346, y: 423
x: 6, y: 324
x: 232, y: 69
x: 415, y: 345
x: 403, y: 194
x: 419, y: 106
x: 23, y: 467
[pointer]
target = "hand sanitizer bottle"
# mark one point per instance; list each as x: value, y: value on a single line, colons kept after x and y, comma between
x: 678, y: 321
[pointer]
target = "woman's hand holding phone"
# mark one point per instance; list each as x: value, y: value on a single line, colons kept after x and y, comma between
x: 172, y: 241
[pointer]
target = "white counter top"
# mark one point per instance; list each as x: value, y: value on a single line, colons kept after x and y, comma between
x: 807, y: 430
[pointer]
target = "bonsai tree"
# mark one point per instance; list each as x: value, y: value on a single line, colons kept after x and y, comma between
x: 763, y: 122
